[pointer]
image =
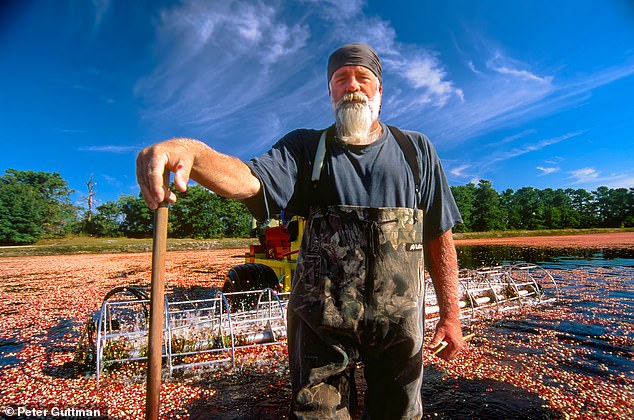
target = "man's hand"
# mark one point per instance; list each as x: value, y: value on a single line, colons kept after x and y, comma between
x: 175, y: 155
x: 188, y: 158
x: 443, y: 266
x: 447, y: 341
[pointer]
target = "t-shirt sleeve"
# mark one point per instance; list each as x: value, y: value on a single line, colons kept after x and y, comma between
x: 278, y: 170
x: 437, y: 202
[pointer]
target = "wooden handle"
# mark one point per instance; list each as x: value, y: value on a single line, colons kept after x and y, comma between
x: 444, y: 344
x: 157, y: 303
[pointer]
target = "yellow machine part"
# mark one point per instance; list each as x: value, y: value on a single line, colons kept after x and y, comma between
x: 285, y: 267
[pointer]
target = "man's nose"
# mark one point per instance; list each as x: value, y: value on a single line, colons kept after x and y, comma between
x: 353, y: 85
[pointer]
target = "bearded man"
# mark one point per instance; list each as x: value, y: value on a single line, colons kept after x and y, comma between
x: 376, y: 201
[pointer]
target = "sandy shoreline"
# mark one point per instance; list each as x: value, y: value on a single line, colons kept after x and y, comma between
x: 594, y: 240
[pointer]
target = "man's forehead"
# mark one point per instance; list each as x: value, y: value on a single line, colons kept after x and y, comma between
x: 353, y: 69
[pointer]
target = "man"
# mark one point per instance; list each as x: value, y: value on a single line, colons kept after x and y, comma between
x: 374, y: 198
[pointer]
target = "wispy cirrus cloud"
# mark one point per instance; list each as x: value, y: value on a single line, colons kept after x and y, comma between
x: 531, y: 147
x: 424, y: 73
x: 584, y: 175
x: 507, y: 66
x: 110, y: 149
x: 459, y: 171
x: 243, y: 73
x: 492, y: 155
x: 68, y: 130
x: 591, y: 178
x: 545, y: 170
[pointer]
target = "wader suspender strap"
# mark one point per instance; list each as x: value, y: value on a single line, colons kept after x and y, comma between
x: 410, y: 156
x: 406, y: 145
x: 318, y: 162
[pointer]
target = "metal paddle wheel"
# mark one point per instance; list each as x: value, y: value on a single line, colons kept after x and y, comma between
x: 485, y: 292
x: 196, y: 332
x: 206, y: 331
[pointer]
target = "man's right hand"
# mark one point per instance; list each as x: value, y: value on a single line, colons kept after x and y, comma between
x: 188, y: 158
x: 177, y: 156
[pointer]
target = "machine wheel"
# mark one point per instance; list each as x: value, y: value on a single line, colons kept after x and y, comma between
x: 246, y: 277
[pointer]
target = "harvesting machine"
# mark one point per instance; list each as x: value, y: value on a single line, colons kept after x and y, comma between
x: 250, y: 309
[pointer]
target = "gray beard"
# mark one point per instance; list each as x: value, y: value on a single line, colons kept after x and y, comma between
x: 354, y: 114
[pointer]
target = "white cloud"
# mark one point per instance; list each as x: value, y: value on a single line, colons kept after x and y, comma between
x: 523, y: 74
x: 459, y: 171
x: 512, y: 138
x: 110, y: 149
x: 68, y: 130
x: 511, y: 67
x: 532, y: 147
x: 547, y: 170
x: 472, y: 67
x: 227, y: 67
x: 337, y: 9
x: 424, y: 72
x: 584, y: 175
x: 100, y: 9
x: 621, y: 181
x: 591, y: 178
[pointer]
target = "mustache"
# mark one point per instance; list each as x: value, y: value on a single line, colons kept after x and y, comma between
x: 353, y: 97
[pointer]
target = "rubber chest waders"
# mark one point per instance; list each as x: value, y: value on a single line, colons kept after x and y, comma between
x: 358, y: 295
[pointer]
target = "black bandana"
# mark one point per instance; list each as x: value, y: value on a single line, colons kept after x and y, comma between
x: 355, y: 55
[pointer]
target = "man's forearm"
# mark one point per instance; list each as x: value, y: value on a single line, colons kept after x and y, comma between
x: 225, y: 175
x: 188, y: 158
x: 443, y: 265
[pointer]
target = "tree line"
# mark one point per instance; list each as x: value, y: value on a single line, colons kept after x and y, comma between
x: 36, y: 205
x: 484, y: 209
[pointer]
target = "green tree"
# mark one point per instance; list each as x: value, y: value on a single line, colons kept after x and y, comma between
x: 194, y: 215
x: 20, y: 213
x: 34, y: 205
x: 507, y: 202
x: 106, y: 221
x: 58, y: 212
x: 488, y: 214
x: 465, y: 198
x: 529, y: 208
x: 199, y: 213
x: 558, y: 211
x: 612, y: 206
x: 137, y: 219
x: 236, y: 219
x: 583, y: 204
x: 602, y: 205
x: 629, y: 218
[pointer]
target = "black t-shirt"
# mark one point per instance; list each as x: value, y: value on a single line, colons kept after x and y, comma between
x: 376, y: 175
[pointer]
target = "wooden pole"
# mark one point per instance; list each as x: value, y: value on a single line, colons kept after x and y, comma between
x: 444, y: 344
x: 157, y: 306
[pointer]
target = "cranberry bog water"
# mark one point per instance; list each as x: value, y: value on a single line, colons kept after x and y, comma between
x: 570, y: 359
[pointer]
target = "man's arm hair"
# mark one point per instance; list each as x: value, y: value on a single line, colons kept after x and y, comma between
x: 443, y: 266
x: 442, y: 262
x: 187, y: 158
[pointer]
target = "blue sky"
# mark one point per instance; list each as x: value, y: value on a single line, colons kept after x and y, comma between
x: 522, y: 93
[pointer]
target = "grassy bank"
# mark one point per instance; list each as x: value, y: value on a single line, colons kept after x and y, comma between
x: 89, y: 245
x: 544, y: 232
